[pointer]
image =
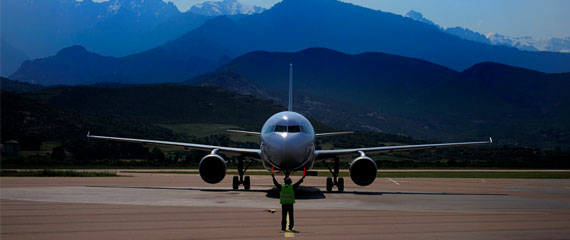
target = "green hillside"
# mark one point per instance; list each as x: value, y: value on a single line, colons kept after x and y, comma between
x: 393, y: 94
x: 51, y: 124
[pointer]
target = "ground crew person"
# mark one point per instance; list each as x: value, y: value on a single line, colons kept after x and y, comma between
x: 287, y: 199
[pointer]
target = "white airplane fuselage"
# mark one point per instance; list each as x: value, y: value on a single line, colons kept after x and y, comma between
x: 287, y: 142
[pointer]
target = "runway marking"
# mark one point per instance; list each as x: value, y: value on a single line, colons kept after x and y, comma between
x: 480, y: 212
x: 483, y: 180
x: 392, y: 180
x: 289, y: 232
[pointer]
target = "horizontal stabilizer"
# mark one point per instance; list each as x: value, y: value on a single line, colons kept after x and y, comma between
x: 332, y: 134
x: 244, y: 132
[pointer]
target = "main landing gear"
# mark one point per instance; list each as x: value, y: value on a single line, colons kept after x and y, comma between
x: 245, y: 180
x: 335, y: 179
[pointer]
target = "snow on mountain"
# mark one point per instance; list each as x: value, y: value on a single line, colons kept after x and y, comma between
x: 225, y: 7
x: 112, y: 28
x: 530, y: 43
x: 522, y: 43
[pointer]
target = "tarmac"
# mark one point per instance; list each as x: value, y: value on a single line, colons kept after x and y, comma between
x: 182, y: 206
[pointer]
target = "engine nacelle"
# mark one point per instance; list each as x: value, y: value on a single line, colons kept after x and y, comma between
x: 212, y: 168
x: 363, y: 170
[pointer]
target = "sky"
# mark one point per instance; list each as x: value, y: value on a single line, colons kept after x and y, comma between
x: 515, y: 18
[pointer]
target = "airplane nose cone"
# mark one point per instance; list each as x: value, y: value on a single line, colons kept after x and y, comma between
x: 290, y: 152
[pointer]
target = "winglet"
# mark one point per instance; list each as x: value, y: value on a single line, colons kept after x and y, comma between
x: 88, y: 133
x: 490, y: 140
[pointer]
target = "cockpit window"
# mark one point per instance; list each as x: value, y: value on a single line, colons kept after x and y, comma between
x: 280, y: 128
x: 284, y: 128
x: 294, y: 129
x: 270, y: 129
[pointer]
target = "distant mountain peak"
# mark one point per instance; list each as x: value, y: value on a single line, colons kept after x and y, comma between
x: 321, y: 50
x: 419, y: 17
x: 493, y: 67
x: 73, y: 50
x: 530, y: 43
x: 225, y: 7
x: 523, y: 43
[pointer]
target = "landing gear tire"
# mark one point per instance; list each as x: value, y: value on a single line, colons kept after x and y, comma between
x: 241, y: 179
x: 235, y: 183
x: 335, y: 179
x: 246, y: 183
x: 340, y: 184
x: 329, y: 184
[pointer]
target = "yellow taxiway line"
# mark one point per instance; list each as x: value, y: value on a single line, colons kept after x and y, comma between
x: 289, y: 232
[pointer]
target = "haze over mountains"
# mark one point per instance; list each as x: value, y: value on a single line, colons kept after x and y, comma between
x: 40, y: 28
x: 294, y: 25
x: 117, y: 28
x: 522, y: 43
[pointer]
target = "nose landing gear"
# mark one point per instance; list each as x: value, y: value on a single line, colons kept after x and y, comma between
x: 245, y: 180
x: 335, y: 179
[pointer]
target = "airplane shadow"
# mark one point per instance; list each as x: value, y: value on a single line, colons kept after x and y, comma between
x: 300, y: 193
x: 180, y: 188
x: 315, y: 193
x: 303, y: 192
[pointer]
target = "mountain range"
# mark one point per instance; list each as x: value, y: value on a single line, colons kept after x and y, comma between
x: 117, y: 27
x: 40, y: 28
x: 522, y: 43
x: 369, y: 91
x: 225, y: 7
x: 355, y: 68
x: 293, y: 25
x: 10, y: 58
x: 530, y: 43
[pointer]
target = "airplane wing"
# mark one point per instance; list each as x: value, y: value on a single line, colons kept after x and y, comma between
x: 324, y: 154
x: 255, y: 153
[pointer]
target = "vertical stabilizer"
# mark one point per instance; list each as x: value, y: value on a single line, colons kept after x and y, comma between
x: 290, y: 87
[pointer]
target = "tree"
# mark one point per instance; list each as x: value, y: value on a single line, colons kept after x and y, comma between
x: 58, y: 153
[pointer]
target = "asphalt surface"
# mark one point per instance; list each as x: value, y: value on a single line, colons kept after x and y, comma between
x: 170, y: 206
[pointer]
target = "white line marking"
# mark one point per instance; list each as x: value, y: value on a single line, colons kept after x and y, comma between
x: 392, y: 180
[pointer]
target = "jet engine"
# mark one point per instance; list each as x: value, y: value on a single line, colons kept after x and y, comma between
x: 212, y: 168
x: 363, y: 170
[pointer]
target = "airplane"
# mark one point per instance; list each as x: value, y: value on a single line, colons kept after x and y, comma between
x: 287, y: 143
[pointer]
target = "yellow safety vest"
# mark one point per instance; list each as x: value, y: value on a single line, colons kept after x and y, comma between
x: 287, y: 195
